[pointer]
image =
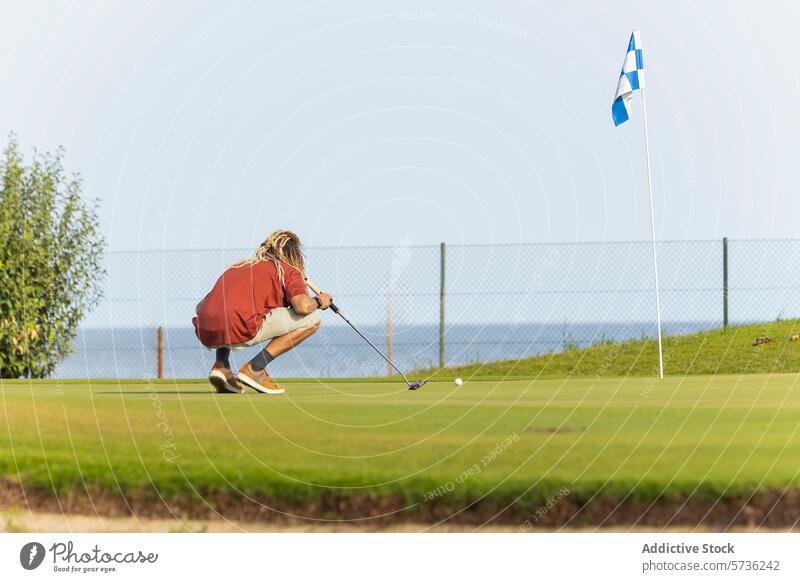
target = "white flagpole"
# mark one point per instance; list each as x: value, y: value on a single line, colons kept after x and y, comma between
x: 653, y: 235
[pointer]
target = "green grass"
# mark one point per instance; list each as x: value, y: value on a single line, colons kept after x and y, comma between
x: 712, y: 352
x: 713, y: 434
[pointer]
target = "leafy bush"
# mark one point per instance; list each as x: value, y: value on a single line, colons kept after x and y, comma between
x: 50, y: 253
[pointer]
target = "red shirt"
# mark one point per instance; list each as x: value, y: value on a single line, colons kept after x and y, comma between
x: 235, y: 308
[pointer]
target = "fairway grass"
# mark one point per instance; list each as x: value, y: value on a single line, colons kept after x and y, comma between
x: 437, y: 450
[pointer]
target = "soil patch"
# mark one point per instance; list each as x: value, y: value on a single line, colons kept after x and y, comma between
x: 772, y: 509
x: 555, y: 429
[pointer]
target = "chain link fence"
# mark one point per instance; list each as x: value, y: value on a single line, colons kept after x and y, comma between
x: 462, y: 303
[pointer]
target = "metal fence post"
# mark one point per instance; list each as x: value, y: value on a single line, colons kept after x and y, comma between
x: 441, y: 305
x: 389, y: 335
x: 725, y: 282
x: 160, y: 353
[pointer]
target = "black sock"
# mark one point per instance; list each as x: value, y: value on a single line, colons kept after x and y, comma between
x: 222, y: 356
x: 261, y: 360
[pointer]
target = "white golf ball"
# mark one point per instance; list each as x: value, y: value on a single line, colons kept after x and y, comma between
x: 458, y: 381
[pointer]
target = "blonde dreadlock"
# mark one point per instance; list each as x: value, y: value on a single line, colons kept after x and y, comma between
x: 282, y: 246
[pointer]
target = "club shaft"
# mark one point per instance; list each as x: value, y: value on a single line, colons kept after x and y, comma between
x: 335, y: 309
x: 374, y: 347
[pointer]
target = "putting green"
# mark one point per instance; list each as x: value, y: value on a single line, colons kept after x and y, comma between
x: 499, y: 439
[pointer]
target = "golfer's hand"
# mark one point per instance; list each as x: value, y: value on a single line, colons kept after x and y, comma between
x: 326, y: 299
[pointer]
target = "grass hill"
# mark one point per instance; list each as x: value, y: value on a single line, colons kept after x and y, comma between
x: 717, y: 351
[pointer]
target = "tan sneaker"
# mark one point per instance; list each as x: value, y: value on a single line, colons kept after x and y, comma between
x: 223, y: 380
x: 260, y: 381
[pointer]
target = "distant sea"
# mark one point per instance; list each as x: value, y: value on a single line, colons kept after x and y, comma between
x: 336, y: 351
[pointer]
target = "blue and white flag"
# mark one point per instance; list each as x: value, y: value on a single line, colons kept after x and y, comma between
x: 630, y: 79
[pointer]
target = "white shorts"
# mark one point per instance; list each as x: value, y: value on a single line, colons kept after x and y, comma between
x: 278, y: 322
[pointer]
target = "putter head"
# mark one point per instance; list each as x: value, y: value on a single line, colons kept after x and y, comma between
x: 417, y: 384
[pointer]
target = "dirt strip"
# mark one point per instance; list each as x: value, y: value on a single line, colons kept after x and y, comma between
x: 39, y: 522
x: 774, y: 510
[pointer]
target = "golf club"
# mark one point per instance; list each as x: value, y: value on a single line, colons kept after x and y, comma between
x: 411, y: 385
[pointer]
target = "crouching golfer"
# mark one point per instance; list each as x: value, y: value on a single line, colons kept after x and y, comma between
x: 256, y: 300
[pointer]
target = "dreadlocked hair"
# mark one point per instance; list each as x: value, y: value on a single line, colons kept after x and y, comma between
x: 282, y: 246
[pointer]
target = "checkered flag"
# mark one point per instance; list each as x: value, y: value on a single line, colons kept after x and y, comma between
x: 630, y: 79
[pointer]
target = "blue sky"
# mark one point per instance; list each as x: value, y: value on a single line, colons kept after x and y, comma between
x: 209, y: 124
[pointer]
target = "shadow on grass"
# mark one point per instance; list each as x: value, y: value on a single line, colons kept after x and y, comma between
x: 141, y: 392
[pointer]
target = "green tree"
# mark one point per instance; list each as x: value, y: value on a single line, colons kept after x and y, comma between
x: 50, y: 261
